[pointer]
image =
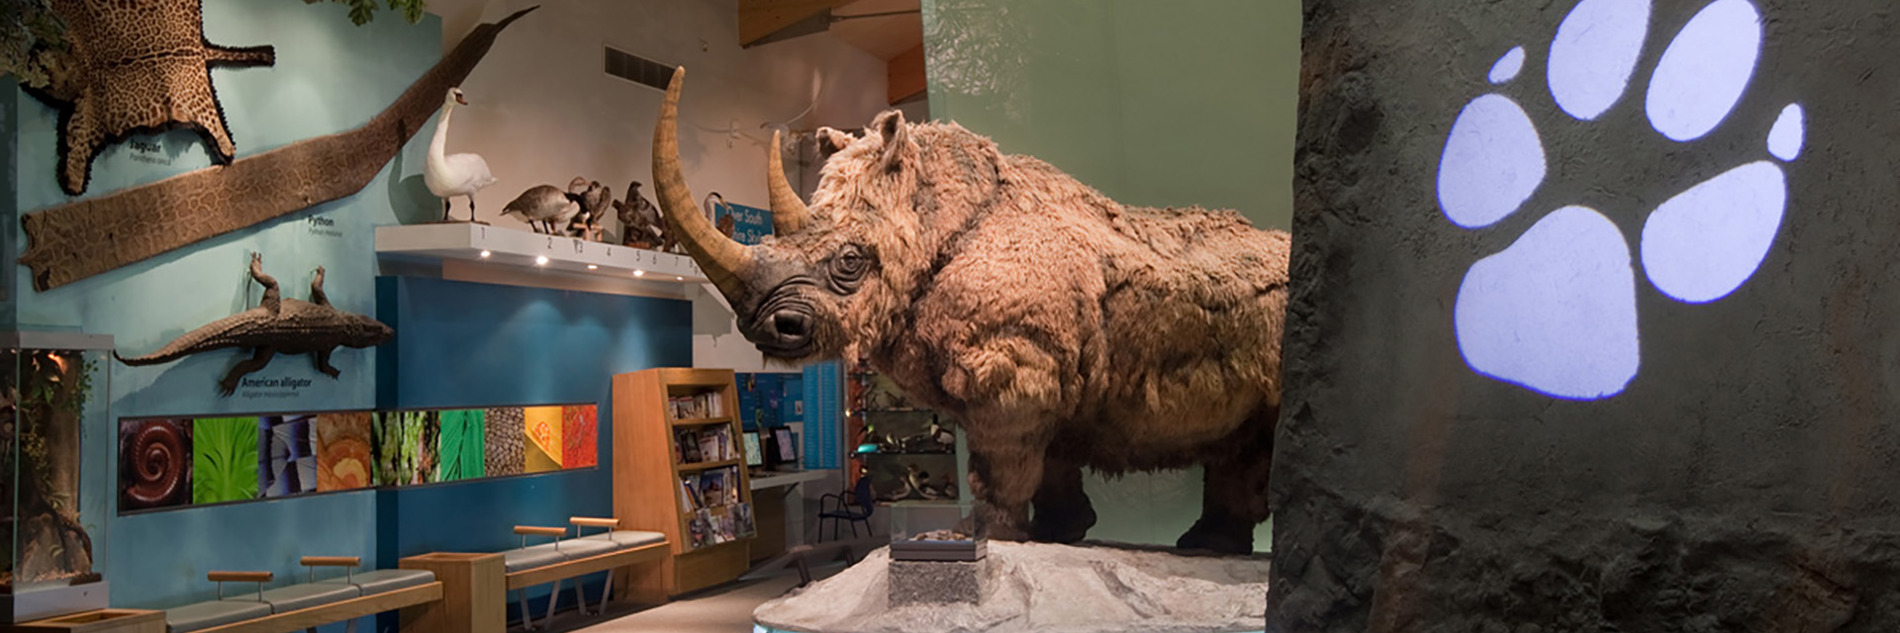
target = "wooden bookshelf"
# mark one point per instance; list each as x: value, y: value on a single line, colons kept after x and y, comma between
x: 650, y: 464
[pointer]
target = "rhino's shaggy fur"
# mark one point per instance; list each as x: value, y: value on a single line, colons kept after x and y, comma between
x: 1062, y: 329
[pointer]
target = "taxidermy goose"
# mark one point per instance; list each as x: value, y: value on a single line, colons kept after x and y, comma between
x: 541, y: 206
x: 458, y: 175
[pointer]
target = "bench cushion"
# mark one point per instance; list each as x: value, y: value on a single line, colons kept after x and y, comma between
x: 294, y: 597
x: 205, y: 615
x: 577, y: 549
x: 385, y: 580
x: 627, y: 539
x: 527, y: 558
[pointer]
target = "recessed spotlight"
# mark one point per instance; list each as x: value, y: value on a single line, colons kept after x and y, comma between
x: 541, y: 260
x: 679, y: 279
x: 639, y: 273
x: 485, y: 254
x: 592, y: 267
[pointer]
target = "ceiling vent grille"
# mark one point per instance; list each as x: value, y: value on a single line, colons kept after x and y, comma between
x: 637, y: 69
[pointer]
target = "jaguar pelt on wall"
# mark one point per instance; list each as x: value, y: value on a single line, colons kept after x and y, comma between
x: 135, y: 67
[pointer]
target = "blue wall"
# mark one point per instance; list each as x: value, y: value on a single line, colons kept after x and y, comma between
x: 465, y: 344
x: 458, y: 344
x: 330, y: 76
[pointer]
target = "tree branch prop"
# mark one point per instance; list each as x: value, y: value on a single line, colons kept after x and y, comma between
x: 75, y: 241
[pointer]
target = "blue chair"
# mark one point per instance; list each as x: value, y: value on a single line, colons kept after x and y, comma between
x: 854, y: 506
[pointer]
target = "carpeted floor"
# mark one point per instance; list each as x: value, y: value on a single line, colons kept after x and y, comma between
x: 719, y: 610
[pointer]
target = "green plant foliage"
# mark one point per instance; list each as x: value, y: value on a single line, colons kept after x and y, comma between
x: 223, y: 459
x: 364, y: 11
x: 461, y: 446
x: 405, y: 447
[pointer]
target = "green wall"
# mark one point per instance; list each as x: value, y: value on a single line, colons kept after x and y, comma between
x: 1189, y: 102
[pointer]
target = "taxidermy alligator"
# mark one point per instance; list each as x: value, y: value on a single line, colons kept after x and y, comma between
x: 275, y: 326
x: 1061, y: 329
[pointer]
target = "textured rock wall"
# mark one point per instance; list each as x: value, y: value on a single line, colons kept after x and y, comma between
x: 1745, y: 477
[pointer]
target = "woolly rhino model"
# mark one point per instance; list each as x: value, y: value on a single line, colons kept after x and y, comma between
x: 1061, y: 329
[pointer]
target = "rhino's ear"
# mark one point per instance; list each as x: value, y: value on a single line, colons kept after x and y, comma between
x: 831, y: 141
x: 890, y: 126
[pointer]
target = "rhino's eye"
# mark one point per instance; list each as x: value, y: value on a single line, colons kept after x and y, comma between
x: 848, y: 268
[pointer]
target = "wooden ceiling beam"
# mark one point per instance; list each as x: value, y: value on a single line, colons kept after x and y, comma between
x: 759, y: 19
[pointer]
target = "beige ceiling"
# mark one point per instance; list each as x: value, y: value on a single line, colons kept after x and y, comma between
x: 885, y: 37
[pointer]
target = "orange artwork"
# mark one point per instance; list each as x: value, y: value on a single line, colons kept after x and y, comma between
x: 343, y: 451
x: 578, y: 427
x: 544, y: 438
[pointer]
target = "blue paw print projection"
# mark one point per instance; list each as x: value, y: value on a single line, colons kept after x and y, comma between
x: 1555, y: 312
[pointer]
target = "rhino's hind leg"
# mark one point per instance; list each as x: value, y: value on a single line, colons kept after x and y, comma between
x: 1234, y: 491
x: 1063, y: 512
x: 258, y: 360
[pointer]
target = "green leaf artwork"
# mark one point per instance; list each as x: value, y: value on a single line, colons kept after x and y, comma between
x: 223, y: 460
x: 461, y: 446
x: 405, y: 447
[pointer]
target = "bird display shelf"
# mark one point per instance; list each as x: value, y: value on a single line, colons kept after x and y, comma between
x: 514, y: 247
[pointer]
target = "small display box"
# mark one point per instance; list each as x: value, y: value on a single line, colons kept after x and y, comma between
x: 944, y: 532
x: 55, y: 439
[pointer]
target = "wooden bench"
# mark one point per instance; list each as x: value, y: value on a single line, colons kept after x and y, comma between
x: 559, y: 560
x: 307, y: 605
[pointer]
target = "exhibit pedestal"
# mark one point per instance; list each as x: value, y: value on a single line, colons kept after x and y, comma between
x: 938, y: 582
x: 1023, y: 587
x: 474, y: 587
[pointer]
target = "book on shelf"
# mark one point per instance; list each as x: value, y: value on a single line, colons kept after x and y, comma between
x: 699, y: 406
x: 723, y: 527
x: 744, y: 525
x: 690, y: 497
x: 713, y: 487
x: 700, y: 527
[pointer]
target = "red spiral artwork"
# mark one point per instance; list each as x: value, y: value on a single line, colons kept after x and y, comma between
x: 154, y: 464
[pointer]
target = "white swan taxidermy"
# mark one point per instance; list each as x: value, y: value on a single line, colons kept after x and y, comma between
x: 449, y: 176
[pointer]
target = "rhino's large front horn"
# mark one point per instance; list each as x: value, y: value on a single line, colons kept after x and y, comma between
x: 789, y: 214
x: 723, y: 260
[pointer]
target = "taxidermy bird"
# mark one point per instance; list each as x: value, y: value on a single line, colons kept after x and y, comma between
x: 454, y: 175
x: 714, y: 204
x: 595, y: 198
x: 940, y: 435
x: 541, y: 207
x: 640, y: 223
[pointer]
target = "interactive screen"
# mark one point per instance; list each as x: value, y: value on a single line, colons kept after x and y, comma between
x: 1555, y: 311
x: 787, y: 445
x: 180, y: 462
x: 753, y: 456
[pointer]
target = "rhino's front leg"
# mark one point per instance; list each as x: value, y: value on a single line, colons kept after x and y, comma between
x: 1007, y: 477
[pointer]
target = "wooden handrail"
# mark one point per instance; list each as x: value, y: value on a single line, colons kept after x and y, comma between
x: 240, y: 576
x: 331, y: 561
x: 527, y: 530
x: 608, y: 522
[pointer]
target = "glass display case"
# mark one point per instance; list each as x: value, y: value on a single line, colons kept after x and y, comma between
x: 926, y: 531
x: 54, y: 447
